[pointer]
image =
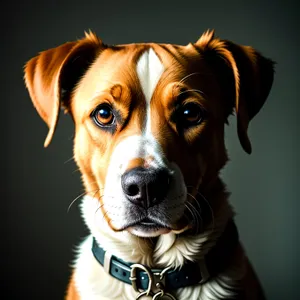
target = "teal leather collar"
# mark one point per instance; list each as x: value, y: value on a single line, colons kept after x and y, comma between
x: 191, y: 273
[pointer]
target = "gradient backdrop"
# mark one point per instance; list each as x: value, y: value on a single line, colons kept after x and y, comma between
x: 39, y: 184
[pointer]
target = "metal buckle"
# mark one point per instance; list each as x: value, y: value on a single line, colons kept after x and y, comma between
x: 133, y: 280
x: 156, y: 285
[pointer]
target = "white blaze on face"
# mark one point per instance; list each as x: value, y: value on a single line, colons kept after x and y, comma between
x: 149, y: 71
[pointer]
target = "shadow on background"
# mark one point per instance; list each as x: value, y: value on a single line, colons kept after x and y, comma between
x: 39, y: 235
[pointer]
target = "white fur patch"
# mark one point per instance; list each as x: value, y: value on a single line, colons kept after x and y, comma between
x: 149, y: 70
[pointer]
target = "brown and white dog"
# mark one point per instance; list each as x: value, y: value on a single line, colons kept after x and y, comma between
x: 149, y: 142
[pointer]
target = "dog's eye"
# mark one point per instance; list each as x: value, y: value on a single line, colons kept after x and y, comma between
x: 103, y: 115
x: 190, y: 114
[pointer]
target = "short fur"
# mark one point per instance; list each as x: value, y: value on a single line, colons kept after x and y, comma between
x: 145, y: 84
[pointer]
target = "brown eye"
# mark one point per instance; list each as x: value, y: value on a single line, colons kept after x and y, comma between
x: 190, y: 114
x: 103, y: 115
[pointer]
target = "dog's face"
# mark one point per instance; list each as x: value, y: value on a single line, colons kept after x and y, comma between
x: 149, y: 121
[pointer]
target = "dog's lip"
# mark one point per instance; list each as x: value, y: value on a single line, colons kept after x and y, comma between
x: 146, y: 224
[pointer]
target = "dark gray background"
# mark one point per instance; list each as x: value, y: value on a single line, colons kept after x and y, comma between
x: 38, y: 185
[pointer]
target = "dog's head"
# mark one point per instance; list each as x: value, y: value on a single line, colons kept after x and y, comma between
x: 149, y: 120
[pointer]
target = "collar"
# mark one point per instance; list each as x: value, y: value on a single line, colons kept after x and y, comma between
x: 191, y: 273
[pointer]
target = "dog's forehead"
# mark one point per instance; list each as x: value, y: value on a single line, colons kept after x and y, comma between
x: 138, y: 66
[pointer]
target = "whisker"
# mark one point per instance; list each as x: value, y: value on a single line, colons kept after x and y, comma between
x: 96, y: 191
x: 100, y: 206
x: 76, y: 170
x: 208, y: 204
x: 197, y: 202
x: 211, y: 210
x: 104, y: 215
x: 83, y: 194
x: 68, y: 160
x: 191, y: 90
x: 194, y: 218
x: 187, y: 76
x: 197, y: 215
x: 183, y: 79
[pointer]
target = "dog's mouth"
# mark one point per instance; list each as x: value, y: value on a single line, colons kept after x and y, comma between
x: 148, y: 223
x: 148, y: 228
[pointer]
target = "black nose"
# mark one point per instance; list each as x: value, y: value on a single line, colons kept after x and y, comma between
x: 145, y: 187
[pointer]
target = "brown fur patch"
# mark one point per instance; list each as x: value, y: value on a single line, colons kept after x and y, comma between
x: 72, y: 293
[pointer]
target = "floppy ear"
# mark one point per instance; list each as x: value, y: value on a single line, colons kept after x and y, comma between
x: 251, y: 73
x: 51, y: 76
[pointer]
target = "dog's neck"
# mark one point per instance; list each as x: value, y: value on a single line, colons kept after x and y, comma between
x: 167, y: 250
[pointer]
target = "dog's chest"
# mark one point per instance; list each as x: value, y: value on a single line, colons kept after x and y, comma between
x: 93, y: 283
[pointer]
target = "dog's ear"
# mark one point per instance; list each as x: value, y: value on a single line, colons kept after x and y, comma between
x: 51, y: 76
x: 245, y: 72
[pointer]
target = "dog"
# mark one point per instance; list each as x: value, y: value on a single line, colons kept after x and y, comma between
x: 149, y: 142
